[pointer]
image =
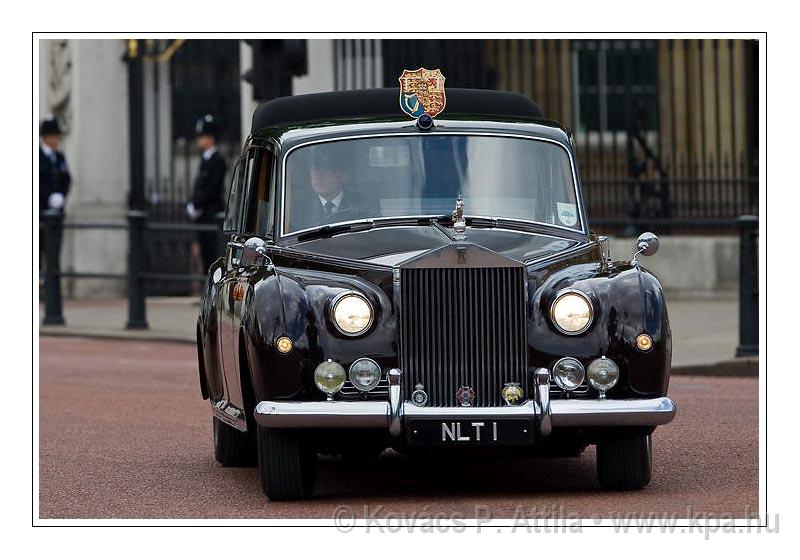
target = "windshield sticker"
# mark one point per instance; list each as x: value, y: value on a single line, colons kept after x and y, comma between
x: 567, y: 214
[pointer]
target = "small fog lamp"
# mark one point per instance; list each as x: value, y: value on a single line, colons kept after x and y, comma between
x: 329, y: 377
x: 603, y: 374
x: 644, y: 342
x: 365, y: 374
x: 568, y: 373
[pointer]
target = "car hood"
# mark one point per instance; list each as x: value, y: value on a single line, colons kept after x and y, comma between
x: 391, y: 246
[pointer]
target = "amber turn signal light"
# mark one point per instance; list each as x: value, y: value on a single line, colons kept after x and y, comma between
x: 284, y: 345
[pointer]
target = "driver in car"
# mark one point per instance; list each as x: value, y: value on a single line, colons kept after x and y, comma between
x: 331, y: 200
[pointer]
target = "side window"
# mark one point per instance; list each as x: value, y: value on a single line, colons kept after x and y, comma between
x: 238, y: 193
x: 261, y: 205
x: 233, y: 211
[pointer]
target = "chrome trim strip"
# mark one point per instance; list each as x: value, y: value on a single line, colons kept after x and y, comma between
x: 529, y: 408
x: 570, y: 413
x: 322, y: 414
x: 395, y: 402
x: 573, y: 168
x: 542, y: 378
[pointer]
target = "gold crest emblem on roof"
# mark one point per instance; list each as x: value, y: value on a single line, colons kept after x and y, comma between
x: 422, y: 92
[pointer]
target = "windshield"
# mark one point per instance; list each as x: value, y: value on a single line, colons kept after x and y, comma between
x: 423, y: 174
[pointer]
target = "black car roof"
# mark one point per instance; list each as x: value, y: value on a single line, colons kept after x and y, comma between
x: 384, y: 102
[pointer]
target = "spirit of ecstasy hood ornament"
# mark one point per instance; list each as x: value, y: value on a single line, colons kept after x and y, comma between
x: 459, y: 224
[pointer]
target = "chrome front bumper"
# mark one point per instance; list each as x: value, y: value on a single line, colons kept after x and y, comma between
x: 572, y: 413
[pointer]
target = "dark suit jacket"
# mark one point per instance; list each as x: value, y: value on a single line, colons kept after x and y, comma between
x: 209, y: 187
x: 310, y: 213
x: 53, y: 177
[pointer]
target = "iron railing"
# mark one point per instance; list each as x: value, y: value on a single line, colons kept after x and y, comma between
x: 137, y: 276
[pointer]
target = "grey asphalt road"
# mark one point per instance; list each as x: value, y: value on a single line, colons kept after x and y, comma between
x: 124, y: 433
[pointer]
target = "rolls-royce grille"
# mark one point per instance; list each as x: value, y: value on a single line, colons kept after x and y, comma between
x: 463, y: 327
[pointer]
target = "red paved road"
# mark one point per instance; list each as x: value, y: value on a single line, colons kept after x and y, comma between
x: 124, y: 434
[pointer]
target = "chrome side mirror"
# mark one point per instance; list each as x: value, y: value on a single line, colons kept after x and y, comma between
x: 646, y: 245
x: 255, y: 253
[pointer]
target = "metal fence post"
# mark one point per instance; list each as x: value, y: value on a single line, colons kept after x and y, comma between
x: 137, y: 318
x: 748, y: 286
x: 52, y: 280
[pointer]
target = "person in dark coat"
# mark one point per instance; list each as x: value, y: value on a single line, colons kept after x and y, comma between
x: 207, y: 200
x: 54, y: 177
x: 330, y: 200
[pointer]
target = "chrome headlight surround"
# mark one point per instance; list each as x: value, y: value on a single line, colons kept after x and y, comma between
x: 375, y: 370
x: 571, y: 293
x: 559, y: 379
x: 343, y: 297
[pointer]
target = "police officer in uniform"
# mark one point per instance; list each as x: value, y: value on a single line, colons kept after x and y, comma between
x: 54, y: 177
x: 207, y: 200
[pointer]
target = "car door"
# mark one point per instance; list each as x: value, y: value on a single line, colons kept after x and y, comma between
x: 231, y: 285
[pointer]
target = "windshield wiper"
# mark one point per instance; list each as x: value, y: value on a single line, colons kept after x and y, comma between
x: 335, y: 229
x: 440, y: 221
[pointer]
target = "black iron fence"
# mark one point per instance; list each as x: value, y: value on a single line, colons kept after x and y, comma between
x: 137, y: 275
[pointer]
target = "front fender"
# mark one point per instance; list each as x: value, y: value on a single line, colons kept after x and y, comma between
x: 627, y: 301
x: 295, y: 303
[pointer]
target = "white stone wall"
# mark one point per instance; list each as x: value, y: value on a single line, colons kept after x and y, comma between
x: 690, y: 266
x: 320, y: 68
x: 91, y: 75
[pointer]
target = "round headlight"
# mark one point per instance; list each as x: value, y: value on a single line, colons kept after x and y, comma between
x: 329, y: 377
x: 603, y: 374
x: 365, y: 374
x: 571, y: 312
x: 352, y: 314
x: 568, y: 373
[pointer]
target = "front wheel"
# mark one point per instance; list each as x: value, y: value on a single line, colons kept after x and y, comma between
x: 233, y: 448
x: 286, y: 464
x: 625, y: 463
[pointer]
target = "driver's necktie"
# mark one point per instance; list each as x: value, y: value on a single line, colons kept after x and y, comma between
x: 329, y: 207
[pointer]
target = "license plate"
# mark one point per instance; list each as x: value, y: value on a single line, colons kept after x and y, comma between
x: 472, y: 432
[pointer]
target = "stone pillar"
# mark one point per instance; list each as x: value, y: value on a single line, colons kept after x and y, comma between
x: 84, y: 83
x: 320, y: 68
x: 246, y: 93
